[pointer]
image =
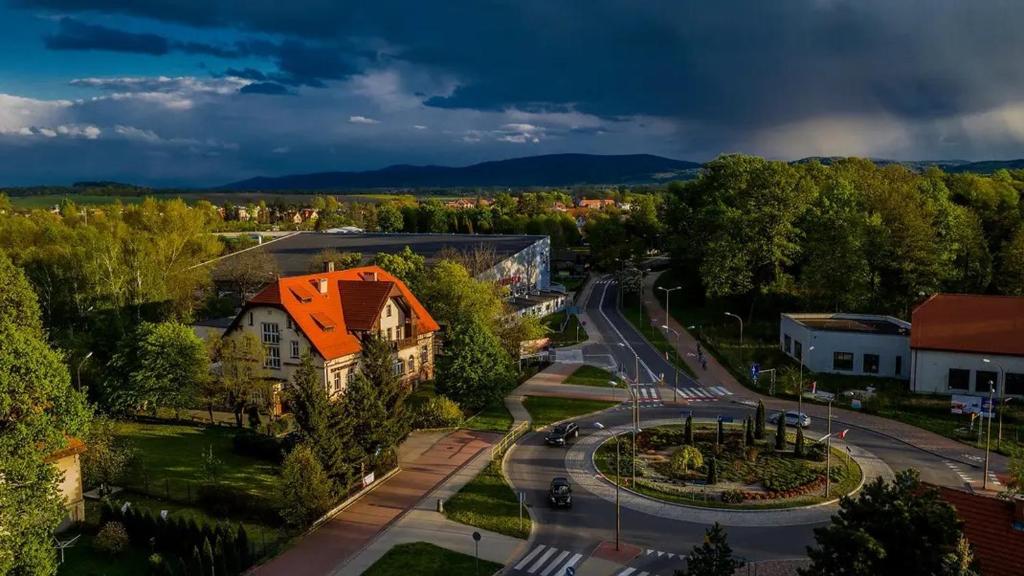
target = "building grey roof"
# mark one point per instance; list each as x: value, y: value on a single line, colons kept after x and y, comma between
x: 293, y: 253
x: 865, y: 323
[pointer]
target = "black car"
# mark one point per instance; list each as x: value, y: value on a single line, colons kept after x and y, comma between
x: 560, y: 493
x: 560, y: 435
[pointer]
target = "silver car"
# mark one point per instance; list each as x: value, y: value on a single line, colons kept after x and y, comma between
x: 793, y: 418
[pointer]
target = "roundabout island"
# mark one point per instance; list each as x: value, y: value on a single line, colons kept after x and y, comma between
x: 727, y: 466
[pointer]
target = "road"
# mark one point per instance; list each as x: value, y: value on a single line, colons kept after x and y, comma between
x: 568, y: 537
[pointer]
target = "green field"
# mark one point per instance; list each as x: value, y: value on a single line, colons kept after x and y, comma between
x: 171, y: 457
x: 592, y: 376
x: 426, y: 559
x: 493, y: 418
x: 574, y: 332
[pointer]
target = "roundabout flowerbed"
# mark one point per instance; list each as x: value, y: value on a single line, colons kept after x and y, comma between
x: 725, y: 466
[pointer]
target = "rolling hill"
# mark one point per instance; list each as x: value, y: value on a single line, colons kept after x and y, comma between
x: 547, y: 170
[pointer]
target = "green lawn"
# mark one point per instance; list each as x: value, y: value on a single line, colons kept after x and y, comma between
x: 545, y: 410
x: 493, y: 418
x: 655, y: 335
x: 84, y: 560
x: 428, y: 560
x: 592, y: 376
x: 488, y: 502
x: 567, y: 337
x: 171, y: 457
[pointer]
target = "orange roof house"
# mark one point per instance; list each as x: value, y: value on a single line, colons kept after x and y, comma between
x: 970, y: 323
x: 329, y: 315
x: 995, y: 529
x: 596, y: 203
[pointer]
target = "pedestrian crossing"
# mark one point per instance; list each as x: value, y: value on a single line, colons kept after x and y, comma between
x: 959, y: 470
x: 646, y: 393
x: 703, y: 393
x: 546, y: 560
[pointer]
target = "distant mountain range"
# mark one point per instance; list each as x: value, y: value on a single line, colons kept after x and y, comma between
x: 547, y: 170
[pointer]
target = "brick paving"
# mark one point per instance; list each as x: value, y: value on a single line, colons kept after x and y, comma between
x: 334, y: 542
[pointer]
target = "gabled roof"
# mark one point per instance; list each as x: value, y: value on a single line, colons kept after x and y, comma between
x: 352, y: 303
x: 989, y: 527
x: 970, y: 323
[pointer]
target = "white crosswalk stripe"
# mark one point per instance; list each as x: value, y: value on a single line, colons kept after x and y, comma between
x: 548, y: 561
x: 721, y: 391
x: 626, y: 572
x: 701, y: 394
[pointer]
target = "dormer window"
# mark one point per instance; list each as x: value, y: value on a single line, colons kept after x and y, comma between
x: 387, y: 311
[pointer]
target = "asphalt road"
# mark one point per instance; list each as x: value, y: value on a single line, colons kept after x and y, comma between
x: 561, y: 535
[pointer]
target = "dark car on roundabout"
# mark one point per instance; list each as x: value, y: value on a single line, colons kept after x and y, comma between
x: 562, y: 433
x: 560, y: 493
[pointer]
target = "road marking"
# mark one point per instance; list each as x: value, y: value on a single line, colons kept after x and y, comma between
x: 572, y: 561
x: 626, y: 572
x: 600, y: 308
x: 543, y: 559
x: 721, y: 391
x: 554, y: 563
x: 529, y: 557
x: 643, y: 393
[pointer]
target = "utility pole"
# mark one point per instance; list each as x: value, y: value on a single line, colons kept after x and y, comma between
x: 1001, y: 384
x: 800, y: 392
x: 988, y: 435
x: 828, y: 450
x: 736, y: 316
x: 618, y: 515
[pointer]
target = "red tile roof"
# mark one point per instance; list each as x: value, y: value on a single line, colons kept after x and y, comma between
x: 970, y: 323
x: 75, y: 446
x: 988, y: 525
x: 352, y: 303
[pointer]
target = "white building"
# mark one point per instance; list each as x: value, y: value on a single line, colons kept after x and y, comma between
x: 954, y: 335
x: 855, y: 344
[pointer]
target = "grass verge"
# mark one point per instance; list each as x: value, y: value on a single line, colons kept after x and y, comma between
x: 428, y: 560
x: 493, y: 418
x: 544, y: 410
x: 592, y: 376
x: 568, y: 336
x: 642, y: 322
x: 488, y: 502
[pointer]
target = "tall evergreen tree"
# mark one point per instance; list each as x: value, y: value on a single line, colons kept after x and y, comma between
x: 713, y: 557
x: 242, y: 546
x: 322, y: 423
x: 363, y: 411
x: 378, y: 367
x: 209, y: 564
x: 749, y: 431
x: 799, y: 450
x: 900, y: 527
x: 720, y: 433
x: 780, y: 432
x: 220, y: 558
x: 688, y: 430
x: 195, y: 566
x: 759, y: 421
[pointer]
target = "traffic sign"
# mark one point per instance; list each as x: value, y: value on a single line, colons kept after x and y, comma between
x: 570, y: 571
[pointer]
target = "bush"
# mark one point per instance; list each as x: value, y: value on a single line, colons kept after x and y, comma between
x: 733, y: 496
x: 439, y: 412
x: 799, y: 448
x: 259, y: 446
x: 307, y: 491
x: 712, y: 467
x: 787, y: 476
x: 112, y: 539
x: 752, y: 452
x: 816, y: 452
x: 683, y: 460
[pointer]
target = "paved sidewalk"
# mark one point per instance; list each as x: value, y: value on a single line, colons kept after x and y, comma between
x: 717, y: 375
x: 331, y: 545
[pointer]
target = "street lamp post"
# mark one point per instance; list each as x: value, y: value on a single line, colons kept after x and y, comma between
x: 800, y: 392
x: 1001, y: 384
x: 730, y: 314
x: 668, y: 292
x: 988, y: 435
x: 476, y: 544
x: 618, y: 515
x: 675, y: 383
x: 828, y: 450
x: 79, y: 370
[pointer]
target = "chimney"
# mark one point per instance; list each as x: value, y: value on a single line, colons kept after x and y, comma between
x: 329, y: 266
x: 322, y: 283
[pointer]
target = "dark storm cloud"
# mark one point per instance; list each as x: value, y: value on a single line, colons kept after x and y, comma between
x: 734, y: 62
x: 73, y: 34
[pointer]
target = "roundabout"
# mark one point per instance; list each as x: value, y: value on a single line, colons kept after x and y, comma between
x: 580, y: 462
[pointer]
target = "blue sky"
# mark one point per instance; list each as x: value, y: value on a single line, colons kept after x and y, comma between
x: 190, y: 92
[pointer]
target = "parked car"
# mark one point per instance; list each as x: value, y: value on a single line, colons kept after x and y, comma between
x: 560, y: 493
x: 561, y: 434
x: 793, y: 418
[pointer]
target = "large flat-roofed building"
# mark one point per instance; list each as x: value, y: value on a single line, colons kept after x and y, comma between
x: 856, y: 344
x: 521, y: 262
x: 968, y: 344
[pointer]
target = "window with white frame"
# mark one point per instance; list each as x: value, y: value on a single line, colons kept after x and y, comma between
x: 410, y: 364
x: 351, y: 374
x: 388, y: 311
x: 295, y: 348
x: 389, y: 333
x: 271, y: 333
x: 273, y: 357
x: 399, y: 367
x: 424, y: 355
x: 336, y: 380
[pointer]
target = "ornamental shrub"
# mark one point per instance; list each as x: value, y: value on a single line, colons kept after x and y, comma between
x: 112, y: 539
x: 683, y: 460
x: 439, y: 412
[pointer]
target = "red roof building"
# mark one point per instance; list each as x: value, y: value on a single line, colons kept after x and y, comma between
x: 330, y: 314
x: 968, y: 344
x: 995, y: 529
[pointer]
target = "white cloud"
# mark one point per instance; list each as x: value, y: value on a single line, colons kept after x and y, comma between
x: 419, y: 126
x: 133, y: 133
x: 87, y: 131
x: 281, y: 150
x: 17, y: 112
x: 362, y: 120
